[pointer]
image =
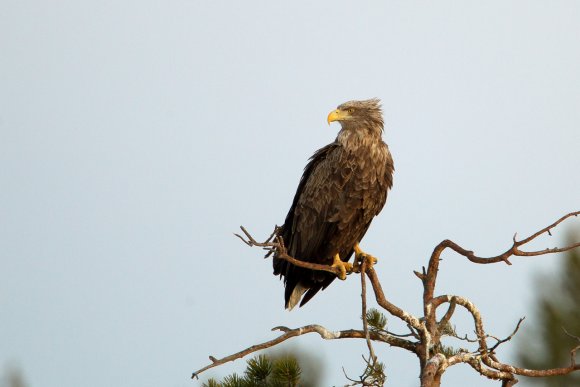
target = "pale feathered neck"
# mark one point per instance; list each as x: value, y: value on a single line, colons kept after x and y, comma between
x: 357, y: 136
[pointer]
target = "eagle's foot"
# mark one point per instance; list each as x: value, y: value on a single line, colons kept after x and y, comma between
x: 344, y: 267
x: 360, y: 257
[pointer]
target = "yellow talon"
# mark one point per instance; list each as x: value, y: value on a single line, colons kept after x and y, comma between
x: 360, y: 256
x: 344, y: 267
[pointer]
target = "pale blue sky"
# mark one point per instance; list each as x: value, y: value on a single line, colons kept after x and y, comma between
x: 136, y: 136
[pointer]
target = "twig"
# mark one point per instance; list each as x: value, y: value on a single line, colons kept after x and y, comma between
x: 492, y: 362
x: 403, y: 335
x: 571, y: 335
x: 464, y: 338
x: 372, y: 355
x: 355, y: 382
x: 280, y: 250
x: 500, y: 342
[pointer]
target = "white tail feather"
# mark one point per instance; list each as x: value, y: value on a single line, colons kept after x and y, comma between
x: 296, y: 295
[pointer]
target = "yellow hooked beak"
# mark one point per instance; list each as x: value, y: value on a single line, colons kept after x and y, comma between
x: 336, y: 115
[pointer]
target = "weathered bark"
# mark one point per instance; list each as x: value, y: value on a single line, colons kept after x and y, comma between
x: 425, y: 332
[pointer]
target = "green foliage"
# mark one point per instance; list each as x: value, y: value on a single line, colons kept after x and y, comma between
x: 374, y: 374
x: 234, y: 380
x: 286, y: 371
x: 211, y: 383
x: 376, y: 320
x: 263, y: 372
x: 546, y: 344
x: 258, y: 370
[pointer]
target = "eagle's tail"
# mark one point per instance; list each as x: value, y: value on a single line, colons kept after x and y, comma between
x: 295, y: 296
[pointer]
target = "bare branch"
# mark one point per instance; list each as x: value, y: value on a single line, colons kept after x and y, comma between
x: 486, y: 354
x: 314, y: 328
x: 280, y: 250
x: 373, y: 357
x: 412, y: 334
x: 548, y: 229
x: 429, y: 278
x: 444, y: 321
x: 250, y: 241
x: 388, y: 306
x: 464, y: 338
x: 491, y: 361
x: 449, y: 312
x: 500, y: 342
x: 512, y: 251
x: 571, y: 335
x: 474, y: 360
x: 487, y: 360
x: 433, y: 356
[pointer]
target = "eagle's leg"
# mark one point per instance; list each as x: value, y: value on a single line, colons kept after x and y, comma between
x: 359, y: 256
x: 344, y: 267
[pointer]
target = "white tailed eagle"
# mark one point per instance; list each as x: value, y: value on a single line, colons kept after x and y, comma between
x: 344, y: 186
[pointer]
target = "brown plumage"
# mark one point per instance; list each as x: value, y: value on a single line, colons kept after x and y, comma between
x: 344, y: 186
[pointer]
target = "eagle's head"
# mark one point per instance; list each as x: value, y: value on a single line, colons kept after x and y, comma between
x: 358, y: 114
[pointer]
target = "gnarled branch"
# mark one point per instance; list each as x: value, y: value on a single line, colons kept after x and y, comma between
x: 433, y: 356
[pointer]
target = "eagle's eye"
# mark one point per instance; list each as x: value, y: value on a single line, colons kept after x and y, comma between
x: 350, y: 110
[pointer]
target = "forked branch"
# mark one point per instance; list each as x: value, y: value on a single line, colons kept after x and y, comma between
x: 426, y: 331
x: 429, y: 277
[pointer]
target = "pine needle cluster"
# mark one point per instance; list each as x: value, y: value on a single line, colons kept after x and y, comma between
x: 376, y: 320
x: 263, y: 372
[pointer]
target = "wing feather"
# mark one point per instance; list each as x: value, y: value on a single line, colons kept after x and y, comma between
x: 338, y: 196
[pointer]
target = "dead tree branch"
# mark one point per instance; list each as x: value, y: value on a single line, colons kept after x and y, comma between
x: 314, y: 328
x: 430, y: 277
x: 484, y: 355
x: 427, y: 333
x: 278, y: 247
x: 501, y: 341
